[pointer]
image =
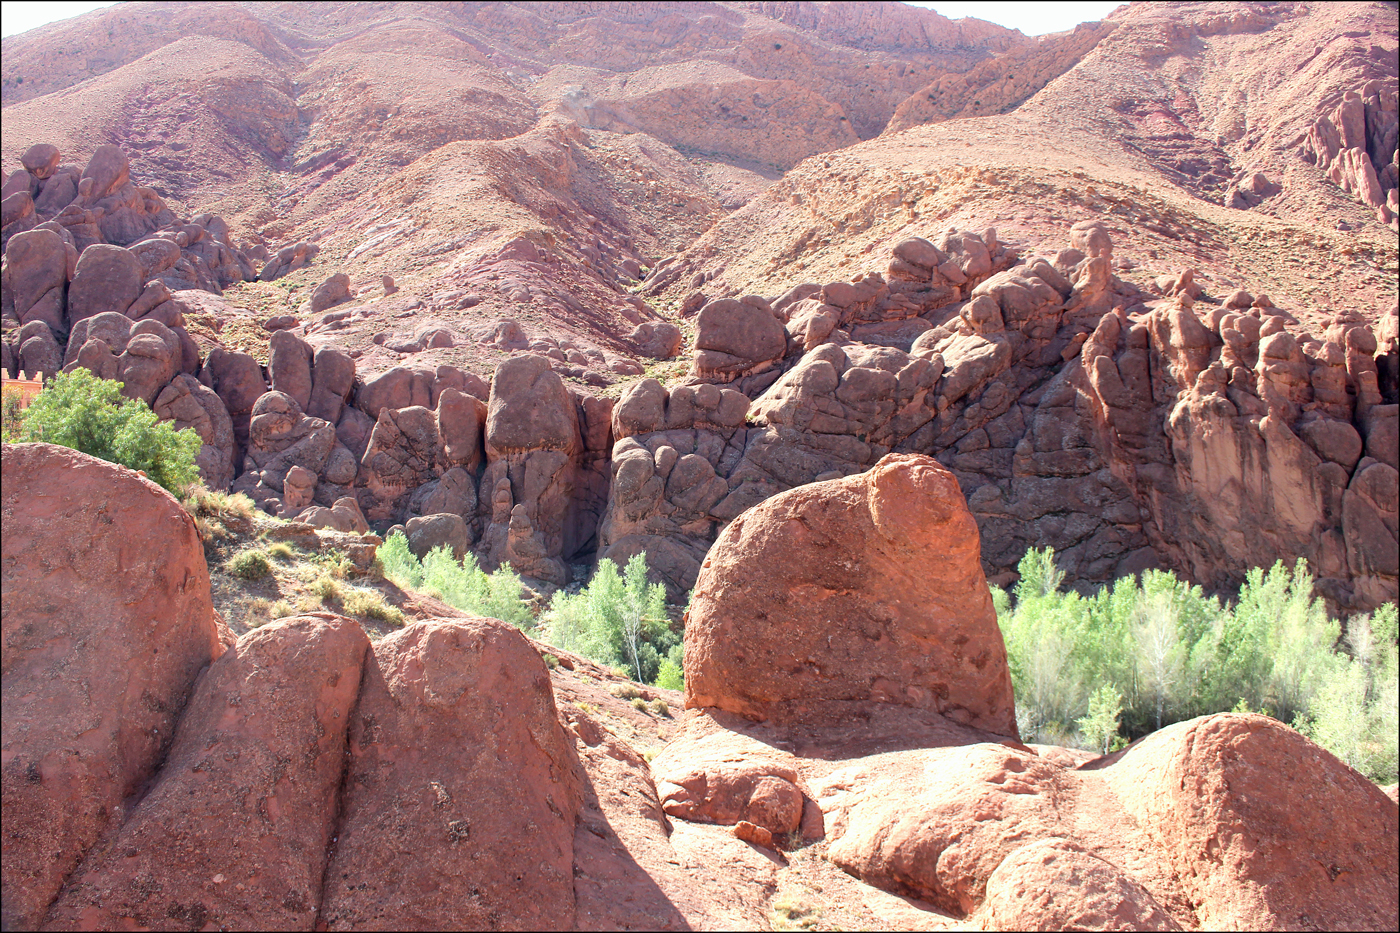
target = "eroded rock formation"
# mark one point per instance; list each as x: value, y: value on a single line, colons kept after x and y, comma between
x: 108, y: 621
x: 319, y: 759
x: 861, y: 589
x: 1077, y: 411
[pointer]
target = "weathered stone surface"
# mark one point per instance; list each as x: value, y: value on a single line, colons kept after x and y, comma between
x: 460, y: 420
x: 333, y: 291
x: 38, y: 280
x: 660, y: 340
x: 38, y: 350
x: 398, y: 387
x: 864, y: 588
x: 1265, y: 829
x: 343, y: 515
x: 532, y: 441
x: 108, y: 278
x: 281, y: 437
x: 289, y: 366
x: 107, y: 621
x: 1259, y: 439
x: 235, y: 829
x: 529, y: 410
x: 1053, y: 884
x: 238, y: 380
x: 720, y: 777
x: 190, y: 404
x: 937, y: 823
x: 401, y: 456
x: 41, y: 160
x: 144, y: 356
x: 333, y: 379
x: 456, y: 754
x: 439, y: 530
x: 289, y: 259
x: 734, y: 337
x: 109, y: 170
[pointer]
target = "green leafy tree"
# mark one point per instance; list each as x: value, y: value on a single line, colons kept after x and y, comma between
x: 618, y: 619
x: 1355, y: 712
x: 81, y: 411
x: 1159, y: 648
x: 671, y: 673
x: 1167, y: 652
x: 1100, y: 726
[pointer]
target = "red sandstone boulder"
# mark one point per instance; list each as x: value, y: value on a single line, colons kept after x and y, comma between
x: 109, y: 169
x: 530, y: 410
x: 37, y: 265
x: 721, y: 778
x: 289, y: 366
x: 107, y: 620
x: 235, y: 830
x: 735, y: 337
x: 190, y: 404
x: 863, y: 588
x: 1054, y: 884
x: 107, y: 278
x: 333, y: 291
x: 462, y: 789
x: 937, y: 823
x: 1265, y: 829
x: 41, y: 160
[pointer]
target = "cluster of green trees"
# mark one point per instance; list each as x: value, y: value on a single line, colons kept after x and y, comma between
x: 617, y: 619
x: 459, y: 583
x: 87, y: 413
x: 1151, y: 650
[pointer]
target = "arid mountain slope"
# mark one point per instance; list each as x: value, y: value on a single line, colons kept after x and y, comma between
x: 433, y: 191
x: 308, y: 122
x: 1152, y: 131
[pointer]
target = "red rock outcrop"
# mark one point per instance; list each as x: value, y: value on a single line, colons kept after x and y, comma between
x: 107, y: 621
x: 1056, y: 885
x: 456, y: 756
x: 235, y: 828
x: 1265, y: 829
x: 939, y: 822
x: 864, y: 588
x: 533, y: 442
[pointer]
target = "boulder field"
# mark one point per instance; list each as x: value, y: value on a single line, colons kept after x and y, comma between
x: 302, y: 777
x: 1126, y: 428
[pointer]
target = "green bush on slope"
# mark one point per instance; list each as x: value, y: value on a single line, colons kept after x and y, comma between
x: 461, y: 584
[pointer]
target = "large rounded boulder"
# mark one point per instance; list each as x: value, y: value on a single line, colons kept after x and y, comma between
x: 461, y: 791
x: 234, y: 829
x: 1266, y: 830
x: 867, y: 588
x: 107, y: 621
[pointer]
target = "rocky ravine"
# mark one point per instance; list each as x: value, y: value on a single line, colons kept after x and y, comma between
x: 302, y: 777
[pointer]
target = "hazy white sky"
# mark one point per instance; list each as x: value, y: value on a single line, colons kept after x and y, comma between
x: 1032, y: 18
x: 22, y: 15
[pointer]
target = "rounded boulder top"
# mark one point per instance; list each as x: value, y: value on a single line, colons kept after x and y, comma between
x: 867, y: 589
